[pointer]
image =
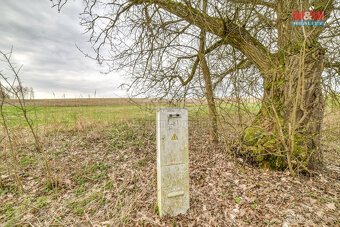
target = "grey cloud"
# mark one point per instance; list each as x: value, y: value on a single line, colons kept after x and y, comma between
x: 45, y: 42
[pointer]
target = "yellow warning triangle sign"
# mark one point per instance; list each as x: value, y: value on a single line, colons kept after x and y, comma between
x: 174, y: 137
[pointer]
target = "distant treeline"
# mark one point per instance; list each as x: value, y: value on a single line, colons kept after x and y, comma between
x: 12, y: 93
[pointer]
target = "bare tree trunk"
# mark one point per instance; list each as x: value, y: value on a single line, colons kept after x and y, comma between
x: 287, y: 130
x: 213, y: 133
x: 304, y: 105
x: 211, y: 102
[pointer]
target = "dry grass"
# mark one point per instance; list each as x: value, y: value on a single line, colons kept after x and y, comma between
x: 98, y: 102
x: 107, y: 176
x: 85, y: 102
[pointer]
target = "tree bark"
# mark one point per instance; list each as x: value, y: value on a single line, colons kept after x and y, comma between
x: 304, y: 106
x: 213, y: 130
x: 287, y: 130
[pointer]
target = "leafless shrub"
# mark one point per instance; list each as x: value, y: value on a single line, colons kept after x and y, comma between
x: 11, y: 84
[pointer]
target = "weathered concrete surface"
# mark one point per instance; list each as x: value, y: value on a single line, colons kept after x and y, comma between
x: 172, y: 161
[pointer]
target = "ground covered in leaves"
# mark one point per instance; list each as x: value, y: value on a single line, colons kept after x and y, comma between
x: 107, y: 177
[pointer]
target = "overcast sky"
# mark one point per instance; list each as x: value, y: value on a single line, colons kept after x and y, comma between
x: 44, y: 42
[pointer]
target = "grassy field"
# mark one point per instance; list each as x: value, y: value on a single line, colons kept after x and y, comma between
x: 69, y: 116
x: 104, y: 159
x: 56, y: 112
x: 88, y: 102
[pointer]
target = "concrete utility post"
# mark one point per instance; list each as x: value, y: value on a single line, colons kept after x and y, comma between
x: 172, y: 161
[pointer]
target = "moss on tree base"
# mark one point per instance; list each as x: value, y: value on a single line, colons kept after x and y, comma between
x: 266, y: 150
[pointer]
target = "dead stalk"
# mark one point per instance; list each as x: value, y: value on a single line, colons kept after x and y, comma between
x: 9, y: 138
x: 18, y: 93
